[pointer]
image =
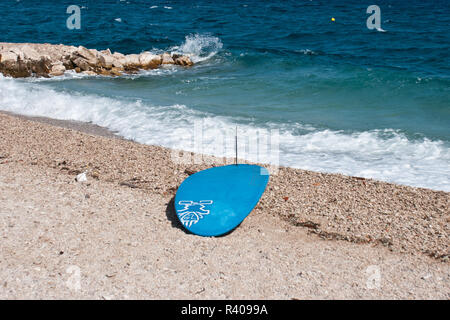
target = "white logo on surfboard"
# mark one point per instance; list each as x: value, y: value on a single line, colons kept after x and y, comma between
x: 192, y: 211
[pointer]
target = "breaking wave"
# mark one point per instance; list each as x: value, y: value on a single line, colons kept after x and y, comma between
x: 381, y: 154
x: 199, y: 47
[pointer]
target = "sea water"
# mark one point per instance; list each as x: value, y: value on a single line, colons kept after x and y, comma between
x: 342, y: 98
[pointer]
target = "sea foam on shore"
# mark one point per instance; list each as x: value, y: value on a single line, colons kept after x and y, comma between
x: 386, y: 155
x: 332, y: 206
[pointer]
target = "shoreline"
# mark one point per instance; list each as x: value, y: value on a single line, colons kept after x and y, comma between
x: 97, y: 130
x: 311, y: 236
x: 84, y: 127
x: 336, y: 223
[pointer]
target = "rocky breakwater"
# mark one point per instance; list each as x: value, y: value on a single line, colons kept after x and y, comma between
x: 21, y: 60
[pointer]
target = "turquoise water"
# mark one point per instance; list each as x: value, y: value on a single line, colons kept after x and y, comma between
x: 342, y: 98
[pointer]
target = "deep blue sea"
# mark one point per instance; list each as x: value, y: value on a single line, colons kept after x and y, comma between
x: 339, y: 97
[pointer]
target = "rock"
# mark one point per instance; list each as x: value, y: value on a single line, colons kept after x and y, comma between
x: 167, y: 59
x: 85, y: 59
x: 42, y: 67
x: 68, y: 64
x: 89, y: 56
x: 104, y: 72
x: 81, y: 177
x: 18, y: 52
x: 12, y: 65
x: 118, y: 55
x: 131, y: 61
x: 95, y: 52
x: 44, y: 60
x: 31, y: 54
x: 176, y: 55
x: 107, y: 52
x: 119, y: 60
x: 8, y: 57
x: 426, y: 277
x: 90, y: 73
x: 57, y: 70
x: 106, y: 61
x: 82, y: 63
x: 184, y: 61
x: 149, y: 60
x: 116, y: 71
x: 117, y: 64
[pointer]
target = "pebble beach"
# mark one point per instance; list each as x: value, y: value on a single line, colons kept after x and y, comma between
x: 312, y: 235
x: 107, y: 107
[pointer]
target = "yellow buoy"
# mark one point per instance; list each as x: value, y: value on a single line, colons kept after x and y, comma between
x: 332, y: 19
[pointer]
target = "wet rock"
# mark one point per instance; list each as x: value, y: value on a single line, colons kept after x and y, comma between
x: 117, y: 64
x: 90, y: 73
x: 104, y: 72
x: 82, y: 64
x: 176, y: 55
x: 149, y: 61
x: 167, y: 59
x: 42, y: 67
x: 57, y: 70
x: 87, y: 55
x: 44, y: 60
x: 116, y: 71
x: 11, y: 65
x: 106, y: 61
x: 130, y: 63
x: 184, y: 61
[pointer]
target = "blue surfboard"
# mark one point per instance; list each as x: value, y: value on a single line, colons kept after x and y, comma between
x: 216, y: 200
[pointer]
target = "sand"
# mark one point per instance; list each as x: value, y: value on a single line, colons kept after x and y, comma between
x: 116, y: 236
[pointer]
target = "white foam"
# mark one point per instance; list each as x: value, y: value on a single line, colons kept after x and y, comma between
x: 307, y: 52
x: 381, y: 154
x: 199, y: 47
x: 69, y: 74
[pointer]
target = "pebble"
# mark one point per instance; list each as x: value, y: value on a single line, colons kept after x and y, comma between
x: 81, y: 177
